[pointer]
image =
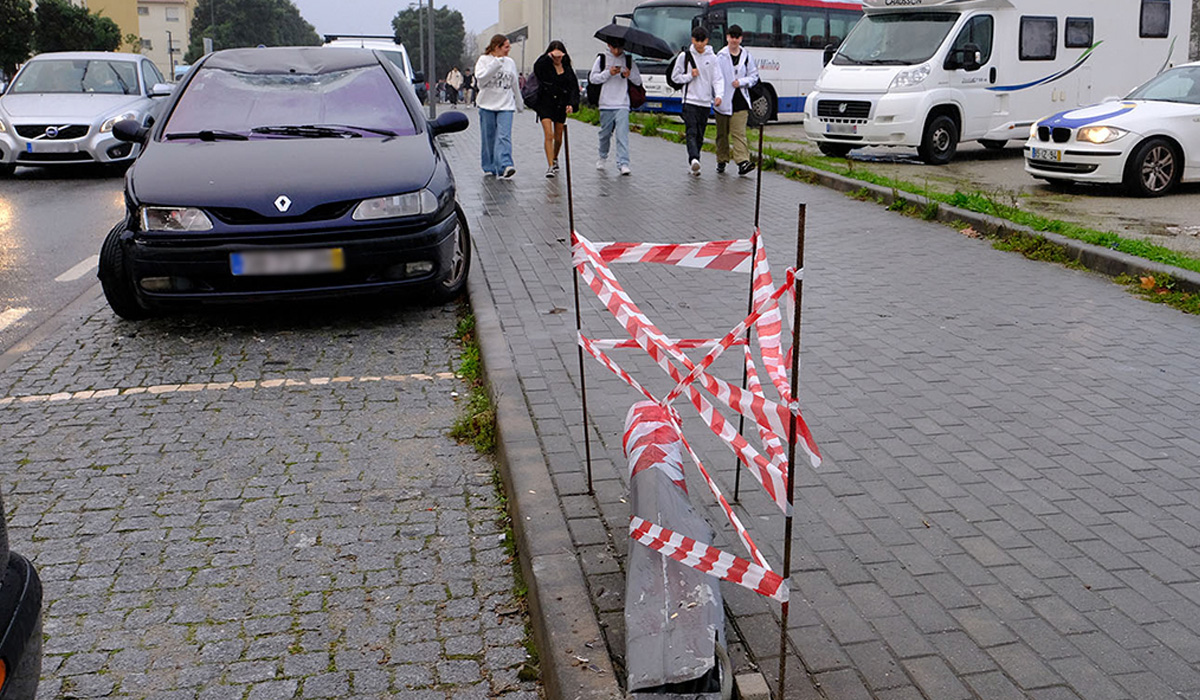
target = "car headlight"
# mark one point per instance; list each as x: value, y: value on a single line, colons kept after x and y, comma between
x: 411, y: 204
x: 174, y: 219
x: 108, y: 124
x: 1099, y: 134
x: 1033, y: 130
x: 911, y: 77
x: 2, y: 127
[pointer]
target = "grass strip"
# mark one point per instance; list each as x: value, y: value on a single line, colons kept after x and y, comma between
x: 477, y: 424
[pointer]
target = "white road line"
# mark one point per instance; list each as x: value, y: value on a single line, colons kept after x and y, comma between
x: 79, y: 270
x: 10, y: 316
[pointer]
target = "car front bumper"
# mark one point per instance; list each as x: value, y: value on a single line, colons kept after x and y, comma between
x: 895, y: 119
x: 1076, y: 161
x: 95, y: 147
x: 377, y: 258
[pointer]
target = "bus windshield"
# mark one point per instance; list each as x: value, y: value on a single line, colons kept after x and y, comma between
x: 896, y: 39
x: 672, y: 24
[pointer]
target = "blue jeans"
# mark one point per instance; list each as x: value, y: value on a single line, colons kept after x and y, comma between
x: 495, y: 140
x: 615, y: 120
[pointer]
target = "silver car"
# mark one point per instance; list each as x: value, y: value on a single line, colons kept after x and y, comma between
x: 60, y: 108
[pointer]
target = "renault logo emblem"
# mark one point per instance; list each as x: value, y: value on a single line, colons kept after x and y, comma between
x: 52, y: 132
x: 842, y: 108
x: 283, y: 203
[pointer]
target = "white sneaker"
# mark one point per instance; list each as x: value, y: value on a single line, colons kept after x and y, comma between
x: 625, y: 170
x: 508, y: 173
x: 696, y: 167
x: 600, y: 164
x: 551, y: 171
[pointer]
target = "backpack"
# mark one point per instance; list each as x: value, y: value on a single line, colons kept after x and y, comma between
x: 529, y: 91
x: 689, y: 63
x: 637, y: 94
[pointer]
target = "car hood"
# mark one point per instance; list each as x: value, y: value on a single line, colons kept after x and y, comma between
x: 864, y: 79
x: 66, y: 109
x: 254, y: 174
x: 1127, y: 114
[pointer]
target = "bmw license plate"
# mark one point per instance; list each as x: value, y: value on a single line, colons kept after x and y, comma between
x: 1052, y: 154
x: 288, y: 262
x: 51, y: 147
x: 841, y: 128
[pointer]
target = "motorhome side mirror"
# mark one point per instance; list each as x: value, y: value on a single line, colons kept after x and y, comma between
x: 449, y: 122
x: 828, y: 55
x: 968, y: 57
x: 129, y: 130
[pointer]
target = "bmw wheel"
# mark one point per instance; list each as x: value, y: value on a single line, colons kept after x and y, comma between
x: 116, y: 280
x: 1154, y: 168
x: 455, y: 280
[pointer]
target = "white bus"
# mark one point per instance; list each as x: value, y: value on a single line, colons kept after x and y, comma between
x: 931, y: 73
x: 786, y: 37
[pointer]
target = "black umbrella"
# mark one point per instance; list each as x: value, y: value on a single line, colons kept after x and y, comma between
x: 635, y: 40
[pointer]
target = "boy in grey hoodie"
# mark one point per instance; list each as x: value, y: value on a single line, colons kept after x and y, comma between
x: 703, y: 87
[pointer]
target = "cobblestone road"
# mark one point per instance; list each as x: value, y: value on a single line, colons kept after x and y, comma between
x: 1008, y: 506
x: 263, y: 505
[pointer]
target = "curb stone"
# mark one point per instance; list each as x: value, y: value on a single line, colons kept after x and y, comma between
x: 565, y: 625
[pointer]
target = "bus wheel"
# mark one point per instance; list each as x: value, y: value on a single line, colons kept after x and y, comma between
x: 940, y: 141
x: 835, y: 150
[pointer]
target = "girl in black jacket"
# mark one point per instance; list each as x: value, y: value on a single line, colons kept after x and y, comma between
x: 557, y: 96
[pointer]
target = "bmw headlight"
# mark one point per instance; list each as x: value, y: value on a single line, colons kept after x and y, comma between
x: 912, y: 77
x: 174, y: 219
x: 1099, y: 134
x: 108, y: 124
x: 1033, y: 130
x: 395, y: 206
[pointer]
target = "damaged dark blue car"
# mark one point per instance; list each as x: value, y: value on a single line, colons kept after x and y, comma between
x: 20, y: 622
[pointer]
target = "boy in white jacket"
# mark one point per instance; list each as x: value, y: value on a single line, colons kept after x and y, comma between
x: 614, y: 73
x: 740, y: 72
x: 703, y: 87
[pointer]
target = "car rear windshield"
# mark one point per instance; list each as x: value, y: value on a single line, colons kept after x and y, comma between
x: 222, y: 100
x: 78, y: 75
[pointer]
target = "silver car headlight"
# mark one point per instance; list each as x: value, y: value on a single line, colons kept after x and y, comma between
x: 108, y: 124
x: 395, y: 206
x: 912, y: 77
x: 174, y: 219
x: 1099, y: 134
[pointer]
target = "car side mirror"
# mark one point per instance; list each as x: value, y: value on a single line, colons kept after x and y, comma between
x: 129, y: 130
x: 449, y: 123
x: 828, y: 55
x: 967, y: 58
x: 161, y: 90
x: 418, y: 78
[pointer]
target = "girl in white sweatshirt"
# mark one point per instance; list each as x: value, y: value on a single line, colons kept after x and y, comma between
x: 499, y: 96
x: 703, y: 87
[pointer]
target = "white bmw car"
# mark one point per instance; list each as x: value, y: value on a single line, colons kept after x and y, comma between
x: 61, y: 107
x: 1150, y: 141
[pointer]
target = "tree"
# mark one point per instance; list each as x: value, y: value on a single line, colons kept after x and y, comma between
x: 447, y: 39
x: 17, y: 23
x: 238, y: 23
x: 63, y: 27
x: 134, y: 42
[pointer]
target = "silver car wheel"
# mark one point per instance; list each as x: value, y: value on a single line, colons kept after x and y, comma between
x: 1158, y: 168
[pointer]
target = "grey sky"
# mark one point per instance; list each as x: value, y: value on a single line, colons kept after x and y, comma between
x: 375, y: 16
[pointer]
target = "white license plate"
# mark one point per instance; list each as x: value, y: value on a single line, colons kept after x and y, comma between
x: 288, y: 262
x: 654, y: 105
x: 841, y: 128
x: 1045, y: 154
x: 51, y: 147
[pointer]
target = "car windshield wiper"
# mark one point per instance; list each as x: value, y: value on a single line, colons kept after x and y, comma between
x: 124, y: 85
x: 886, y: 62
x: 207, y: 135
x: 307, y: 131
x: 353, y: 127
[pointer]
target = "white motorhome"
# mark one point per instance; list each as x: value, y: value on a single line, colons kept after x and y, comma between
x: 932, y: 73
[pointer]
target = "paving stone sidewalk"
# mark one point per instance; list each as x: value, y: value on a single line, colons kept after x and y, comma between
x: 1008, y: 502
x: 259, y: 505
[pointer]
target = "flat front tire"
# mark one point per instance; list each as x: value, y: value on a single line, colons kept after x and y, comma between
x: 1154, y: 168
x: 455, y: 281
x: 116, y: 280
x: 940, y: 140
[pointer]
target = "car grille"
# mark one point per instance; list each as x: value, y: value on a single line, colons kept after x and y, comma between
x: 80, y: 157
x: 65, y: 133
x: 1058, y: 134
x: 843, y: 109
x: 1080, y: 168
x: 235, y: 216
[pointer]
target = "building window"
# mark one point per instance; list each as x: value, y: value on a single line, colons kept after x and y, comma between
x: 147, y: 45
x: 1156, y: 19
x: 172, y: 14
x: 1039, y: 38
x: 143, y: 11
x: 1079, y: 33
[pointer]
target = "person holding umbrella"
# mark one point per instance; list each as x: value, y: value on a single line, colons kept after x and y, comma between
x: 557, y: 96
x: 614, y: 73
x: 498, y: 98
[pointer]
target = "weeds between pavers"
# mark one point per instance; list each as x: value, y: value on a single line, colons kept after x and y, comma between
x: 531, y: 668
x: 477, y: 425
x: 978, y: 202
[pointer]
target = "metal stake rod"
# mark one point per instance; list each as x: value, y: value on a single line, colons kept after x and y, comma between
x: 737, y: 474
x: 587, y: 441
x: 431, y: 76
x: 791, y: 473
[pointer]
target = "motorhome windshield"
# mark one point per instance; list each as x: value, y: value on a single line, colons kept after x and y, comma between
x: 672, y: 24
x: 895, y: 38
